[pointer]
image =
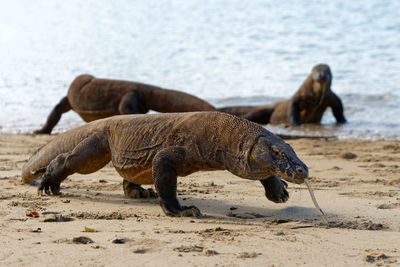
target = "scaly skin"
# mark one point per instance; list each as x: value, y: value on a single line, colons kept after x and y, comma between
x: 94, y: 99
x: 306, y: 106
x: 147, y: 149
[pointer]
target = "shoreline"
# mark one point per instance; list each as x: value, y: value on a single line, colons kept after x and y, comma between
x: 356, y: 182
x: 370, y: 117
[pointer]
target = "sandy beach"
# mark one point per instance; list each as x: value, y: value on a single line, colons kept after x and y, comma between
x: 357, y: 184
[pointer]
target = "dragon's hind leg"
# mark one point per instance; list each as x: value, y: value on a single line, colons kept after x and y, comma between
x: 55, y: 115
x: 90, y: 155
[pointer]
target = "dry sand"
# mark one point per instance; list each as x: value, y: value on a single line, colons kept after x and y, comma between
x: 357, y: 184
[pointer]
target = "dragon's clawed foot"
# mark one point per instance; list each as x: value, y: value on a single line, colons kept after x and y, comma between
x: 41, y: 131
x: 183, y: 211
x: 47, y: 187
x: 132, y: 190
x: 275, y: 190
x: 171, y: 207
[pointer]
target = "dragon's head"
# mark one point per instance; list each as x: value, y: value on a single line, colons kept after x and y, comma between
x: 322, y: 78
x: 270, y: 155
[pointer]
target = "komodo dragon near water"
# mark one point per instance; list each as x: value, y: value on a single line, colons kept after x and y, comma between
x: 156, y: 148
x: 94, y: 99
x: 307, y: 105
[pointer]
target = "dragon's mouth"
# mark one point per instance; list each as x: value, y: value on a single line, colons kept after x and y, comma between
x: 296, y: 176
x: 291, y: 179
x: 298, y: 180
x: 293, y: 173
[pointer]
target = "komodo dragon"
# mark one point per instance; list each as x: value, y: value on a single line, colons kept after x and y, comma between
x: 156, y: 148
x: 95, y: 99
x: 307, y: 105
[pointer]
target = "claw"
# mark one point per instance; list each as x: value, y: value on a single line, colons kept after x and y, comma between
x: 47, y: 190
x: 55, y: 189
x: 152, y: 193
x: 40, y: 192
x: 132, y: 190
x: 47, y: 187
x: 41, y: 187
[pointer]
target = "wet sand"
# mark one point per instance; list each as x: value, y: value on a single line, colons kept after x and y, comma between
x: 357, y: 184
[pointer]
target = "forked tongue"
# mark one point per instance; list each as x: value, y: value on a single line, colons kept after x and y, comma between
x: 315, y: 201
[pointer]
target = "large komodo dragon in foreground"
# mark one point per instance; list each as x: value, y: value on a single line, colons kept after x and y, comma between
x: 307, y: 105
x: 156, y: 148
x: 95, y: 99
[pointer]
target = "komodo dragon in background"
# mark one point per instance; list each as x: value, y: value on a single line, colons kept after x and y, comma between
x: 156, y: 148
x: 95, y: 99
x: 307, y: 105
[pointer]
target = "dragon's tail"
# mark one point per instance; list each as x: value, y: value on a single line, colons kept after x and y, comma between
x: 62, y: 143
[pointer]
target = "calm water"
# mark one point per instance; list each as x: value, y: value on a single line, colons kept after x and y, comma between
x: 227, y: 52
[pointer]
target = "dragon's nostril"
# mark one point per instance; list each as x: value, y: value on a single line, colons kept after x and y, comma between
x: 301, y: 171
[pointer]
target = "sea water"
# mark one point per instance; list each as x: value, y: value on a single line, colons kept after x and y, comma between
x: 227, y: 52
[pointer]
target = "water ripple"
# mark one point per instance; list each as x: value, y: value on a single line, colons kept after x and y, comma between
x: 212, y: 49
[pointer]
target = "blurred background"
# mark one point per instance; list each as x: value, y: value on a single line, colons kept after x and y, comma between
x: 226, y: 52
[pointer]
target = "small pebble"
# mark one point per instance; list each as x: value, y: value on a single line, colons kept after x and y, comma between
x: 279, y: 233
x: 119, y: 241
x: 140, y: 250
x: 82, y: 240
x: 210, y: 252
x: 348, y: 155
x: 372, y: 257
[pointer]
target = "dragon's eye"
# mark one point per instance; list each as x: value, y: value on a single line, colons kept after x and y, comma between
x: 277, y: 152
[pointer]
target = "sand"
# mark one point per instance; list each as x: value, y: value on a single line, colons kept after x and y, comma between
x: 357, y: 184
